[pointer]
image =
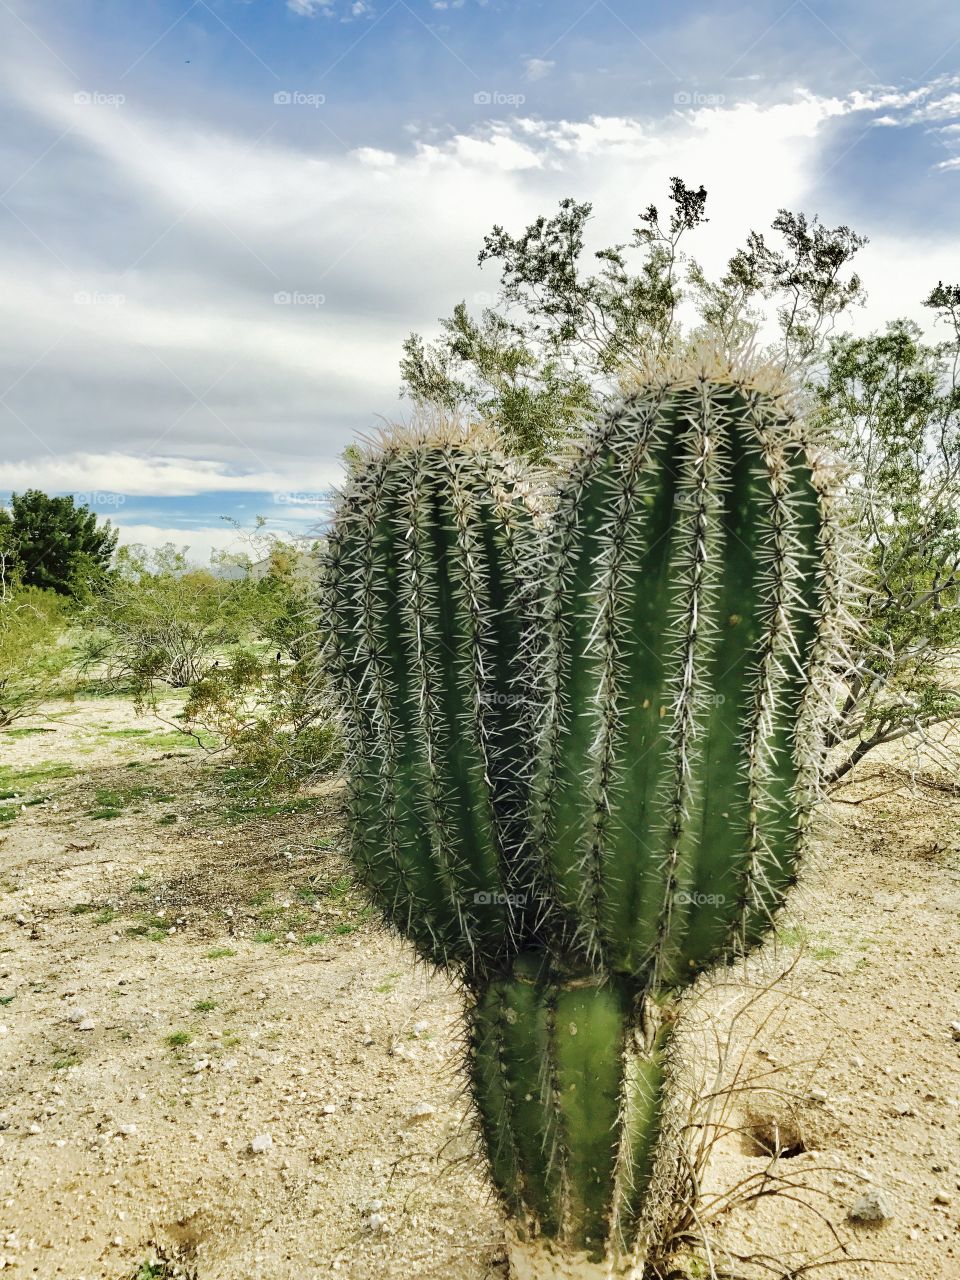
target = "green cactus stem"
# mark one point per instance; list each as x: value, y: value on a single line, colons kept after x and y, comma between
x: 428, y: 606
x: 568, y: 1096
x: 682, y: 616
x: 583, y: 752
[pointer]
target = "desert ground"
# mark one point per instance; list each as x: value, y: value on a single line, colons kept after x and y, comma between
x: 217, y: 1064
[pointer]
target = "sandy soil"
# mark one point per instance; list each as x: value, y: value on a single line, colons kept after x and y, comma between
x: 187, y: 977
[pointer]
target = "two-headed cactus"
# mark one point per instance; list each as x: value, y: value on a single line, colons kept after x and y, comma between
x: 583, y: 748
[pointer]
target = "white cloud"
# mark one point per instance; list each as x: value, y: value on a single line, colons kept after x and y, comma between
x: 200, y: 542
x: 198, y: 377
x: 145, y: 475
x: 374, y: 157
x: 309, y: 8
x: 538, y: 68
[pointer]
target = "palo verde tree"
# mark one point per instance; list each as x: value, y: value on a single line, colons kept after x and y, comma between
x: 161, y: 621
x: 568, y: 325
x: 888, y: 403
x: 891, y: 403
x: 583, y: 751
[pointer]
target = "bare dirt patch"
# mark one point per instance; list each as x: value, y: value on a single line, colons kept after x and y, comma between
x: 216, y: 1064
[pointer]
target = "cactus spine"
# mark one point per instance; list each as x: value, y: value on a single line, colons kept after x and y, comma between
x: 582, y: 755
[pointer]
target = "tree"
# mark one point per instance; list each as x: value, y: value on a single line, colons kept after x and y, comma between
x: 34, y: 651
x: 561, y: 336
x: 55, y: 544
x: 536, y: 365
x: 267, y: 701
x: 804, y: 279
x: 158, y: 620
x: 891, y: 404
x: 241, y: 644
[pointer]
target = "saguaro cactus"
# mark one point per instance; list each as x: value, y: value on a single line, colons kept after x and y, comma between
x: 583, y: 751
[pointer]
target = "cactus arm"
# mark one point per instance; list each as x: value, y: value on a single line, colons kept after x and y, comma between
x: 603, y: 755
x: 715, y: 840
x: 794, y: 755
x: 668, y: 779
x: 409, y: 593
x: 437, y: 612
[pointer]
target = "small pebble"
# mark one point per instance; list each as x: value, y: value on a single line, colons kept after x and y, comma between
x: 421, y: 1110
x: 873, y: 1206
x: 262, y: 1143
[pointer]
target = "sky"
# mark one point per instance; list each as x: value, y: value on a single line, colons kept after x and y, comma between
x: 219, y: 219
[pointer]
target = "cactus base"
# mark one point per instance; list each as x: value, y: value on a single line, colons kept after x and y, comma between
x: 542, y: 1260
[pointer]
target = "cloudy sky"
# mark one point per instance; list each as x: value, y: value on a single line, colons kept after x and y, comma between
x: 219, y: 218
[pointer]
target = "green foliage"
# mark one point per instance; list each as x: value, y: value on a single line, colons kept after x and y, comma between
x: 56, y: 545
x: 535, y: 366
x: 240, y: 640
x: 560, y: 337
x: 583, y: 750
x: 161, y: 621
x: 487, y: 367
x: 568, y: 336
x: 804, y: 279
x: 36, y: 655
x: 892, y: 404
x: 266, y: 701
